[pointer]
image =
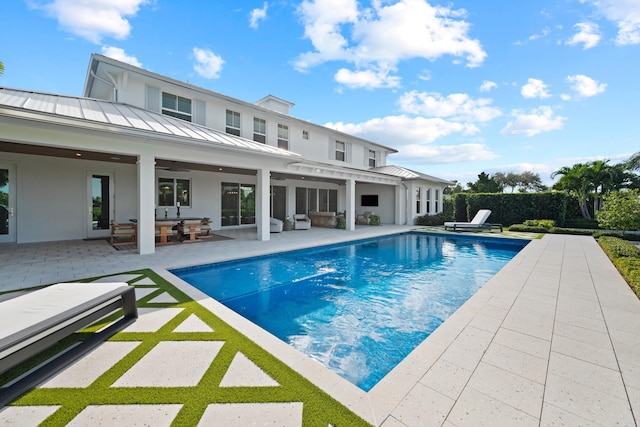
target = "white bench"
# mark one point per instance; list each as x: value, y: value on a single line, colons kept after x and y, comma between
x: 35, y: 321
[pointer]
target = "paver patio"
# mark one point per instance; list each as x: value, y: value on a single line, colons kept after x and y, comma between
x: 552, y: 339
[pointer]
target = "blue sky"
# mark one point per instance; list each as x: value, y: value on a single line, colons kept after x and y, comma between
x: 457, y: 87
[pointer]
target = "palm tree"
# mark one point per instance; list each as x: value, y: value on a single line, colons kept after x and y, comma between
x: 1, y: 68
x: 634, y: 162
x: 576, y: 180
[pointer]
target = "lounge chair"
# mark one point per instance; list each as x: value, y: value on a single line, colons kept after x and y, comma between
x: 477, y: 223
x: 205, y: 227
x: 364, y: 218
x: 276, y: 225
x: 301, y: 222
x: 41, y: 318
x: 127, y: 231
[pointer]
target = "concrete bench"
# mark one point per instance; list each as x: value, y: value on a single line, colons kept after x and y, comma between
x: 35, y: 321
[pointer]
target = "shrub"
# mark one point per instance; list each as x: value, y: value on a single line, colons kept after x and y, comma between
x: 431, y: 220
x: 621, y: 211
x: 342, y: 223
x: 528, y: 228
x: 544, y: 223
x: 626, y: 257
x: 374, y: 220
x: 581, y: 223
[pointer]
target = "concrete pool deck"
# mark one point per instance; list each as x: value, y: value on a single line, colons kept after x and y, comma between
x: 552, y: 339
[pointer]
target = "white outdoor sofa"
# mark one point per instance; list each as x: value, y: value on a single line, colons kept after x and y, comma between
x: 37, y: 320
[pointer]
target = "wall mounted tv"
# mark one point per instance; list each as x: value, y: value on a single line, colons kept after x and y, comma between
x: 369, y: 200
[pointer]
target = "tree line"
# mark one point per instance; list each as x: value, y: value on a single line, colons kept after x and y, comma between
x: 589, y: 181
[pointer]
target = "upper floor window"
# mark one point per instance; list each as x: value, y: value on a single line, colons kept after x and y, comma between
x: 305, y: 134
x: 259, y: 130
x: 283, y: 137
x: 233, y: 122
x: 372, y: 158
x: 176, y: 106
x: 341, y: 151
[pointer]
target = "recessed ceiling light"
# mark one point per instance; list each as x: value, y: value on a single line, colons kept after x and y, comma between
x: 78, y: 154
x: 114, y: 158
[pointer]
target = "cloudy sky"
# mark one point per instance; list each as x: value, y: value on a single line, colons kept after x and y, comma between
x: 458, y: 86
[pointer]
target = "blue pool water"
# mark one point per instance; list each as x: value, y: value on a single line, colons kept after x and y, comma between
x: 357, y: 308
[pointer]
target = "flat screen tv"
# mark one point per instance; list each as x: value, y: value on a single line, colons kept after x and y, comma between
x: 369, y: 200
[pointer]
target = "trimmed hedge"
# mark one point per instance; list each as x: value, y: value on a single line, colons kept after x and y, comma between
x: 626, y: 257
x: 515, y: 208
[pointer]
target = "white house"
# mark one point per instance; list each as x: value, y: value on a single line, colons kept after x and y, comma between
x: 139, y: 144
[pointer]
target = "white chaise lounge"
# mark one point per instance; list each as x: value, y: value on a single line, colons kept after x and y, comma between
x: 479, y: 222
x: 35, y: 321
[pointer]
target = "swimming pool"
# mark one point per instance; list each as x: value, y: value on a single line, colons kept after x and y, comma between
x: 358, y: 308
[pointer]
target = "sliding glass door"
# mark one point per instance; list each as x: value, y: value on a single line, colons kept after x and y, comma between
x: 7, y: 203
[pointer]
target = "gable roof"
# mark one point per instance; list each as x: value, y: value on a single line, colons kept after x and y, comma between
x: 408, y: 174
x: 52, y: 107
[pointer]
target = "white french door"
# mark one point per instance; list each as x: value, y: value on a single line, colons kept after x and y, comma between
x: 101, y: 204
x: 7, y: 203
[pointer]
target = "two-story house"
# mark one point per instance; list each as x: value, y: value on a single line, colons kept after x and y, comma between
x: 142, y: 145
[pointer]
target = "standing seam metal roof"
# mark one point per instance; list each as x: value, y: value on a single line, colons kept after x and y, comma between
x: 127, y: 116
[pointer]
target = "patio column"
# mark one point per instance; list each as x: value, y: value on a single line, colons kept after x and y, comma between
x: 146, y: 204
x: 400, y: 203
x: 262, y: 204
x: 351, y: 204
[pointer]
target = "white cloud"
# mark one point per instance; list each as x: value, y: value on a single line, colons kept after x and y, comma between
x: 120, y: 55
x: 545, y: 32
x: 588, y: 35
x: 208, y: 64
x: 404, y: 130
x: 438, y: 154
x: 487, y: 85
x: 457, y: 106
x: 625, y: 14
x: 538, y: 120
x: 258, y: 15
x: 368, y: 79
x: 385, y: 34
x: 535, y: 89
x: 94, y: 19
x: 586, y: 86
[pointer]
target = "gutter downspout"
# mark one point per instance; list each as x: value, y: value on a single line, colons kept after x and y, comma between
x: 112, y: 84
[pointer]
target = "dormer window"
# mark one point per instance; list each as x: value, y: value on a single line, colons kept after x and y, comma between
x: 233, y: 123
x: 176, y: 106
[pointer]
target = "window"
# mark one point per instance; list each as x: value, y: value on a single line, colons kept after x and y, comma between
x: 176, y: 106
x: 305, y: 134
x: 233, y: 123
x: 238, y: 204
x: 437, y: 200
x: 372, y: 158
x: 172, y: 191
x: 316, y: 199
x: 341, y: 151
x: 418, y: 200
x: 283, y: 137
x: 428, y: 200
x: 259, y: 130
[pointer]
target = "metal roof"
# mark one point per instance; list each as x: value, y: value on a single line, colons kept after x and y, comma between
x: 128, y: 117
x: 408, y: 174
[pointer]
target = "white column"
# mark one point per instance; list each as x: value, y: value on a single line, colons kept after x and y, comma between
x: 146, y: 204
x: 350, y: 196
x: 262, y: 204
x: 400, y: 203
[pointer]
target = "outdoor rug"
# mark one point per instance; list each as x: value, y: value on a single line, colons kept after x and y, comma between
x: 134, y: 246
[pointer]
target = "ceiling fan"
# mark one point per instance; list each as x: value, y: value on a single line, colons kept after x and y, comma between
x: 175, y: 168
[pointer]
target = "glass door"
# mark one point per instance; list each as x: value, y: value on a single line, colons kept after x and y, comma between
x: 7, y: 203
x: 101, y: 209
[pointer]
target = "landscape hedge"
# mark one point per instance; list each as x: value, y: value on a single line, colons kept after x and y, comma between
x: 515, y: 208
x: 626, y: 257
